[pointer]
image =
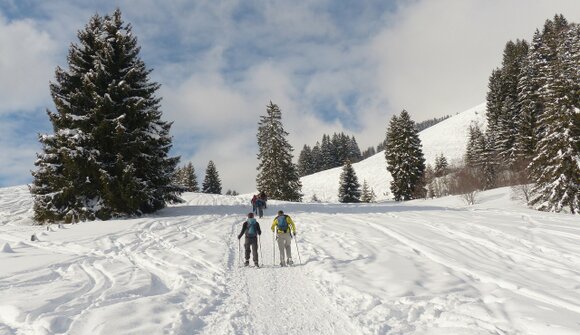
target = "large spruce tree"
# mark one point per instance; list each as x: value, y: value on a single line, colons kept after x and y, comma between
x: 555, y: 167
x: 277, y: 174
x: 404, y: 155
x: 108, y: 155
x: 212, y: 183
x: 349, y: 187
x: 305, y: 162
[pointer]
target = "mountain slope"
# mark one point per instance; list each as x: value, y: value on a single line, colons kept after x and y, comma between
x: 448, y: 137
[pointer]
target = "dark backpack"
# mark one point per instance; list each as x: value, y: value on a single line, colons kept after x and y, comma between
x: 252, y: 230
x: 282, y: 223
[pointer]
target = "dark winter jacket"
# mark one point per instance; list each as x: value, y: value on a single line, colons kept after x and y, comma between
x: 245, y: 228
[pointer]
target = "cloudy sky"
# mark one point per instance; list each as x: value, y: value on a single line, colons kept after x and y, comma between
x: 331, y: 66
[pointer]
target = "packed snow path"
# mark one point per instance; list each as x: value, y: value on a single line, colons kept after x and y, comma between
x: 434, y: 267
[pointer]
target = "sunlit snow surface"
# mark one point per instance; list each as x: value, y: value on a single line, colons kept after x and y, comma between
x: 421, y: 267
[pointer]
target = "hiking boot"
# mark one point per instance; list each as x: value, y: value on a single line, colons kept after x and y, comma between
x: 282, y: 264
x: 257, y: 265
x: 247, y: 263
x: 290, y: 262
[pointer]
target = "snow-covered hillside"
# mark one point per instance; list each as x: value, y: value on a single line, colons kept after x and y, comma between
x: 448, y: 137
x: 420, y: 267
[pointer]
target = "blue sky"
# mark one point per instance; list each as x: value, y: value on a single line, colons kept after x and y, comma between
x: 331, y: 66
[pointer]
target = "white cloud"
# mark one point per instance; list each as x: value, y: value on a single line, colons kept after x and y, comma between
x: 26, y: 64
x: 436, y: 56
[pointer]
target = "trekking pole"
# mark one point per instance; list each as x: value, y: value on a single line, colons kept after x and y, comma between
x: 297, y: 250
x: 239, y: 254
x: 260, y: 247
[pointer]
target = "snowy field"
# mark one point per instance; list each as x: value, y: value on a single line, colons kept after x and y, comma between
x: 421, y: 267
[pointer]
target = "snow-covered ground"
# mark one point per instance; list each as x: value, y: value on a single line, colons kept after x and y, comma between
x: 421, y: 267
x: 448, y: 137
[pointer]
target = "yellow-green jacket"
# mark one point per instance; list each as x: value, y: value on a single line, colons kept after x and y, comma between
x: 291, y: 225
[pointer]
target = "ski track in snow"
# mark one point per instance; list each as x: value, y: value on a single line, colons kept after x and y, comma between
x: 428, y: 267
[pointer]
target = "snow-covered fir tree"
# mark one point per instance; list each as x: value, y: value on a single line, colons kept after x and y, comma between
x: 365, y: 192
x: 405, y: 161
x: 211, y: 182
x: 441, y: 166
x: 187, y: 178
x: 472, y: 150
x: 328, y: 152
x: 316, y: 155
x: 277, y: 174
x: 108, y: 155
x: 306, y: 162
x: 555, y: 167
x: 349, y: 187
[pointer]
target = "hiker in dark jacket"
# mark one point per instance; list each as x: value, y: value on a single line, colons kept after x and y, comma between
x: 251, y: 228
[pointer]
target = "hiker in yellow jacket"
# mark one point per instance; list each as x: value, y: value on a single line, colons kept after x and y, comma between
x: 285, y: 229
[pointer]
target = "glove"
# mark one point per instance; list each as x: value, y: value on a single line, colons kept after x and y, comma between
x: 294, y: 233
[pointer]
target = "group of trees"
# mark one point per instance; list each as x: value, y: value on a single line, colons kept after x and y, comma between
x: 186, y: 178
x: 108, y: 155
x: 330, y: 153
x: 533, y: 120
x: 349, y: 190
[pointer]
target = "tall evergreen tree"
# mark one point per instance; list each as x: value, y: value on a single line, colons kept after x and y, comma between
x: 366, y: 192
x: 109, y: 151
x: 472, y: 151
x: 305, y: 162
x: 212, y: 183
x: 405, y: 159
x: 555, y: 168
x: 189, y: 178
x: 354, y: 153
x: 349, y: 188
x: 277, y: 175
x: 328, y: 152
x: 441, y: 166
x: 59, y: 189
x: 317, y: 162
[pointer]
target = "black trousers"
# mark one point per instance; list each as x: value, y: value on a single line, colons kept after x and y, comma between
x: 253, y: 243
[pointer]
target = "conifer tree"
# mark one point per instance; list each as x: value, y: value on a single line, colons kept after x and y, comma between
x: 405, y: 159
x: 328, y: 152
x: 189, y: 178
x: 212, y: 183
x: 555, y: 168
x: 109, y: 152
x: 305, y: 162
x: 441, y: 166
x: 317, y: 162
x: 354, y: 153
x: 472, y: 150
x: 349, y: 188
x: 277, y: 175
x: 365, y: 193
